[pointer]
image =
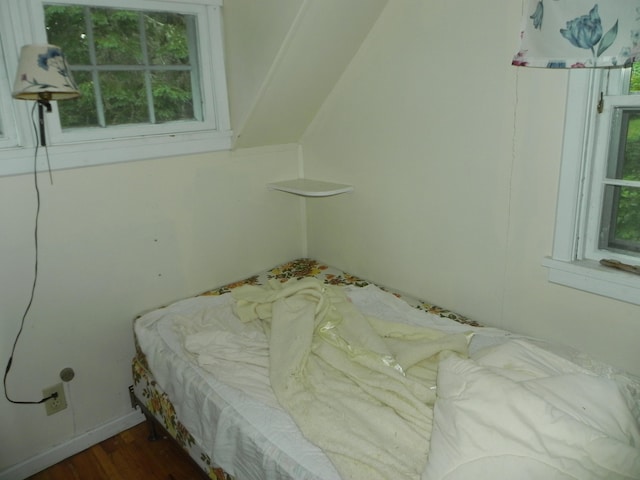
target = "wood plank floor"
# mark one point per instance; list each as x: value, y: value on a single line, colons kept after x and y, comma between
x: 126, y: 456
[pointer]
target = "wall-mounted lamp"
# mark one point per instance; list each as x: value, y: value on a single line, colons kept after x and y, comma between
x: 43, y: 75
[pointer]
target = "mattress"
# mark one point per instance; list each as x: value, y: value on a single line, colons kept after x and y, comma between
x: 228, y: 419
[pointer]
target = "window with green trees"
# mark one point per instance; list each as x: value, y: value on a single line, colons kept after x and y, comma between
x: 620, y: 220
x: 151, y: 75
x: 131, y: 66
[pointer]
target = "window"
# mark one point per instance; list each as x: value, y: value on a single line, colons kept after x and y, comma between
x: 131, y: 66
x: 598, y: 214
x: 618, y: 184
x: 7, y: 137
x: 151, y: 74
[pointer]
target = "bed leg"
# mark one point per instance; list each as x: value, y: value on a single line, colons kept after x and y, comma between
x: 151, y: 422
x: 132, y: 397
x: 153, y: 431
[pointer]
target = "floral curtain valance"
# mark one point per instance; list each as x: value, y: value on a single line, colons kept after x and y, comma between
x: 579, y: 33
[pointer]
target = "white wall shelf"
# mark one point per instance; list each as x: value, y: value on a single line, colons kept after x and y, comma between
x: 310, y: 188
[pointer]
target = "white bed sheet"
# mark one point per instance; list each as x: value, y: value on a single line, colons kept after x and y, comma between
x: 246, y: 437
x: 232, y: 414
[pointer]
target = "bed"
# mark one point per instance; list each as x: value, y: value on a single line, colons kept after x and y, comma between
x: 306, y: 372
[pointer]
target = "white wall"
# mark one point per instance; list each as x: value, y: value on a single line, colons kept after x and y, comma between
x: 455, y: 157
x: 116, y: 241
x: 254, y: 33
x: 284, y: 57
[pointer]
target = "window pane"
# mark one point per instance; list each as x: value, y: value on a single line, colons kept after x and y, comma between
x: 172, y: 96
x: 124, y: 98
x: 117, y: 36
x: 81, y: 112
x: 624, y: 159
x: 630, y: 169
x: 66, y: 28
x: 166, y: 35
x: 621, y: 219
x: 634, y: 85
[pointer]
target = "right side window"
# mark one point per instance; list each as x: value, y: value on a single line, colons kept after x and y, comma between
x: 614, y: 227
x: 598, y: 210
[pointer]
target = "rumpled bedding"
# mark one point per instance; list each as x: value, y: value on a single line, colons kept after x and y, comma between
x: 360, y: 388
x: 518, y: 411
x: 206, y: 331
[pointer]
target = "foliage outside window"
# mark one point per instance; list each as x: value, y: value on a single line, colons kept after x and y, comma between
x: 131, y: 66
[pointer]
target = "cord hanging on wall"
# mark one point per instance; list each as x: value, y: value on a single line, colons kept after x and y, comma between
x: 43, y: 75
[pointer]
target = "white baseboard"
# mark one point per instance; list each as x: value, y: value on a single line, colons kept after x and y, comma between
x: 77, y: 444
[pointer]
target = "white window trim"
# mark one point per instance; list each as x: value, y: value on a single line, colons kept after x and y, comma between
x: 7, y: 121
x: 568, y: 265
x: 75, y: 148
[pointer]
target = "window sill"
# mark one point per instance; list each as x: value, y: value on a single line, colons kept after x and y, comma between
x: 19, y: 160
x: 590, y: 276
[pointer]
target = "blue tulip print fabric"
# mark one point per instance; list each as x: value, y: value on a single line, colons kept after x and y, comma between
x: 579, y: 34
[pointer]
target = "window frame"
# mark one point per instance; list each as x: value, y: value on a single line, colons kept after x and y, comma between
x: 78, y: 147
x: 7, y: 126
x: 575, y: 255
x: 8, y: 120
x: 145, y: 70
x: 606, y: 143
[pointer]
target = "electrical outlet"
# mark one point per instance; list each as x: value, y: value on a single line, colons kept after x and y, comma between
x: 54, y: 405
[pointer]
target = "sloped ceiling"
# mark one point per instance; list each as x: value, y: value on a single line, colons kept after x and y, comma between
x: 283, y: 57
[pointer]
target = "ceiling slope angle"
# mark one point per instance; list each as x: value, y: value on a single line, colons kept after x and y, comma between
x: 322, y: 38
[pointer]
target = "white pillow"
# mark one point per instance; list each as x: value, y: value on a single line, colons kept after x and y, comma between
x: 489, y: 426
x: 522, y: 360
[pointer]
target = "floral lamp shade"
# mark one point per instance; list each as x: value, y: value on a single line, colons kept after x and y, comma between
x: 579, y: 34
x: 43, y: 74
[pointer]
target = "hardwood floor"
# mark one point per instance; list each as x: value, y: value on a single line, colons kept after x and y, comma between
x: 127, y: 456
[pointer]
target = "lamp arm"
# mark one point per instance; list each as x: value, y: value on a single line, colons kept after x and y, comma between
x: 41, y: 105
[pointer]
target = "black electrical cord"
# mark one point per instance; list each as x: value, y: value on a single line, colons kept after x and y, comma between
x: 35, y: 279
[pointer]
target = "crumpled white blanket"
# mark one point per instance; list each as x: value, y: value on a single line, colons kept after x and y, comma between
x: 236, y: 353
x: 361, y: 388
